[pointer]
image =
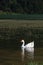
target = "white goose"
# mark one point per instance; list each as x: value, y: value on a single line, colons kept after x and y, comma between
x: 29, y: 48
x: 29, y: 45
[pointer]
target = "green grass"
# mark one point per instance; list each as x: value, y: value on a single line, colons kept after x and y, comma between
x: 5, y: 13
x: 35, y: 63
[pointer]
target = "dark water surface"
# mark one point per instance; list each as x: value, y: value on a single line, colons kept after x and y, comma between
x: 20, y: 56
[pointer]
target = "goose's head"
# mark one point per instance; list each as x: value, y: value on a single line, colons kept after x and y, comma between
x: 22, y: 40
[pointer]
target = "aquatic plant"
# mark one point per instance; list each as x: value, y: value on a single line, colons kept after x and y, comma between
x: 35, y: 63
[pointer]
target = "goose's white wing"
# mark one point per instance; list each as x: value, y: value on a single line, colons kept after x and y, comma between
x: 31, y: 44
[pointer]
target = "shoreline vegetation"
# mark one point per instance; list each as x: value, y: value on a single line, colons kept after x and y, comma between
x: 22, y: 6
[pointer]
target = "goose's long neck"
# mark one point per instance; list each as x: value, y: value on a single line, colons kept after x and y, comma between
x: 23, y: 44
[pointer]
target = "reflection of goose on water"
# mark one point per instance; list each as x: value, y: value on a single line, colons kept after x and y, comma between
x: 31, y: 44
x: 28, y: 53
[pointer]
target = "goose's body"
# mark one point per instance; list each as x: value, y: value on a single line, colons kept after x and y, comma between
x: 31, y: 44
